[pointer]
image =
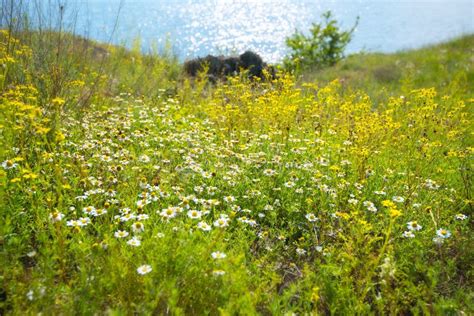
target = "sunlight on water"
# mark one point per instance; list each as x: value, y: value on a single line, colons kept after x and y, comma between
x: 200, y: 27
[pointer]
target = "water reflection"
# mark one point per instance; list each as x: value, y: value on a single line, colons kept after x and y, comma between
x: 199, y: 27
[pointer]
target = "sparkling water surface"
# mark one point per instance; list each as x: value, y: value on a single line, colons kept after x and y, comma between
x: 200, y: 27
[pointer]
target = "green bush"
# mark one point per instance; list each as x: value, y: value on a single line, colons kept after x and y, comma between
x: 323, y: 47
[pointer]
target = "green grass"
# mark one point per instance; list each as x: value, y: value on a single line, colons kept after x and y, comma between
x: 346, y: 192
x: 440, y: 66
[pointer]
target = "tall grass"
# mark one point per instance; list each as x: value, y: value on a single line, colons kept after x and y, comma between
x: 69, y: 60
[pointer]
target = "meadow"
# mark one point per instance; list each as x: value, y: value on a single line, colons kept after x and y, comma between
x: 127, y: 188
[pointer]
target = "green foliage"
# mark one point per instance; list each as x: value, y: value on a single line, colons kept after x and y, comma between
x: 447, y: 67
x: 323, y: 47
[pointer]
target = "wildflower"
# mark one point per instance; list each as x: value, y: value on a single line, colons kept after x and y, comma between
x: 218, y: 272
x: 460, y: 217
x: 443, y: 233
x: 73, y: 223
x: 9, y: 164
x: 84, y: 221
x: 387, y: 268
x: 110, y: 192
x: 269, y: 172
x: 134, y: 241
x: 168, y: 213
x: 213, y: 202
x: 30, y: 295
x: 218, y: 255
x: 311, y: 217
x: 144, y: 269
x: 82, y: 197
x: 300, y: 251
x: 268, y: 207
x: 250, y: 222
x: 144, y: 159
x: 198, y: 189
x: 388, y: 203
x: 58, y: 101
x: 408, y: 234
x: 413, y: 225
x: 142, y: 217
x: 206, y: 174
x: 127, y: 217
x: 395, y: 213
x: 221, y: 222
x: 138, y: 227
x: 121, y: 234
x: 204, y: 226
x: 100, y: 211
x: 345, y: 162
x: 438, y: 240
x: 431, y: 185
x: 142, y: 203
x: 125, y: 211
x: 194, y: 214
x: 56, y: 216
x: 89, y: 210
x: 160, y: 235
x: 398, y: 199
x: 289, y: 184
x: 353, y: 201
x: 370, y: 206
x: 229, y: 199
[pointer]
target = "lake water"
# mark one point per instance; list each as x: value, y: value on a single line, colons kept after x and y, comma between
x: 200, y: 27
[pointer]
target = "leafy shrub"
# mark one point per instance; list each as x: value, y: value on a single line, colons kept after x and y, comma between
x: 324, y: 46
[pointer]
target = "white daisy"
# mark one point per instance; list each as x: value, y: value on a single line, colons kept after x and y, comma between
x: 218, y: 272
x: 289, y: 184
x: 56, y: 216
x: 204, y: 226
x: 460, y: 217
x: 413, y: 225
x: 134, y: 241
x: 443, y: 233
x: 300, y: 251
x: 144, y: 269
x: 9, y: 164
x: 138, y: 227
x: 84, y: 221
x: 194, y: 214
x: 221, y: 222
x: 73, y: 223
x: 218, y: 255
x: 142, y: 217
x: 168, y: 213
x: 311, y: 217
x: 121, y: 234
x: 398, y: 199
